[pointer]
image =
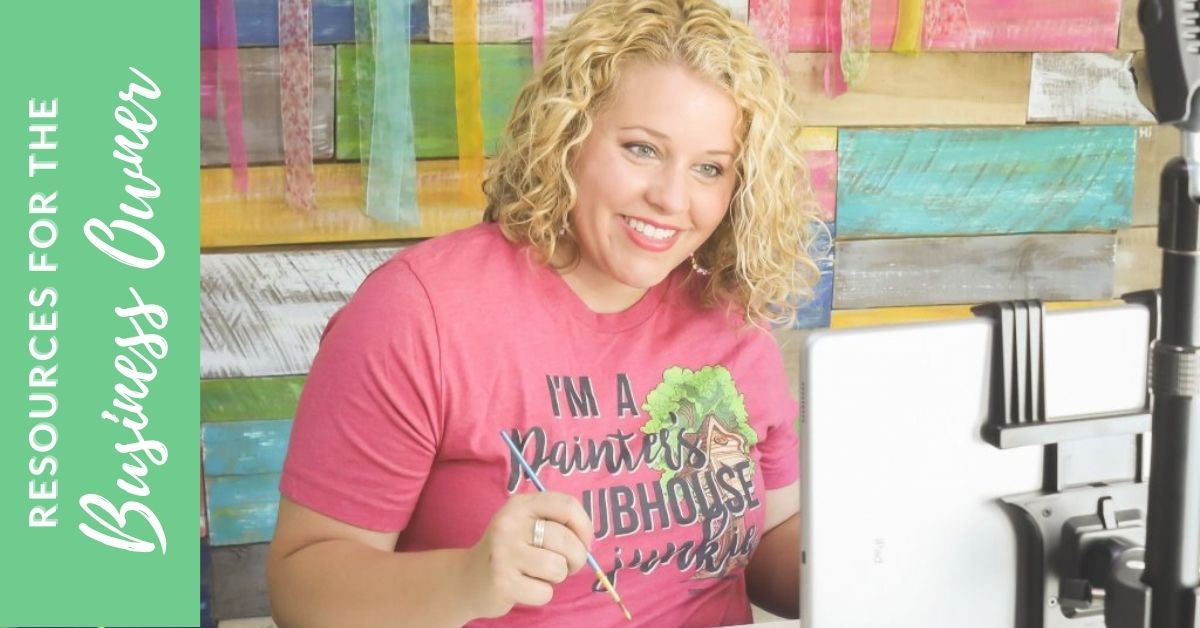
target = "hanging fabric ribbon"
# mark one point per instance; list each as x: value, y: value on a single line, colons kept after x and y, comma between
x: 943, y: 18
x: 771, y: 21
x: 230, y: 84
x: 539, y: 32
x: 467, y: 102
x: 835, y: 81
x: 856, y: 39
x: 364, y: 75
x: 908, y: 27
x: 208, y: 59
x: 392, y: 164
x: 295, y: 98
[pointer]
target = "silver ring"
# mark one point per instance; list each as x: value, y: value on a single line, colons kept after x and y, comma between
x: 539, y: 532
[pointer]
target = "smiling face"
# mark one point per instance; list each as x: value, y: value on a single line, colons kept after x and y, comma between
x: 654, y: 180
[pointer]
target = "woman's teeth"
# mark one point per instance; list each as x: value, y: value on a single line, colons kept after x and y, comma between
x: 650, y: 231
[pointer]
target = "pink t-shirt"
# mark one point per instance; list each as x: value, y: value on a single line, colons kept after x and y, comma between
x: 666, y: 420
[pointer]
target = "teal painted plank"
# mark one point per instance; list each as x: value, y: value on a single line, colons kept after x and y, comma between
x: 924, y: 182
x: 242, y: 508
x: 245, y: 447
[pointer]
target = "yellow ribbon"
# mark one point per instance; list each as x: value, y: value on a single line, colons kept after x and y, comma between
x: 467, y: 102
x: 908, y: 27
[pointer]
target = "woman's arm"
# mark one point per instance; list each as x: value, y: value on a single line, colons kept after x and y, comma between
x: 773, y: 577
x: 322, y: 572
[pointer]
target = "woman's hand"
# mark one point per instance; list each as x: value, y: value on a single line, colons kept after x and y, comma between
x: 506, y: 567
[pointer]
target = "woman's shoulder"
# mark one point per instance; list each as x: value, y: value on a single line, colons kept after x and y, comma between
x: 449, y: 257
x: 441, y: 268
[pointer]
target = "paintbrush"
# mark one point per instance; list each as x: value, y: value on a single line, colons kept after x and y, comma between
x: 590, y: 559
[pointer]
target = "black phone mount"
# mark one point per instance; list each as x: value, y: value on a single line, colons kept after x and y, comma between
x: 1084, y: 541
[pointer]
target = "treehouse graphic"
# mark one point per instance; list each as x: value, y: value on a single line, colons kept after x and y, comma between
x: 704, y: 409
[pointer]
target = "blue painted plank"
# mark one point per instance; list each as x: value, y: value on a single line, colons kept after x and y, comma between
x: 245, y: 447
x: 926, y: 182
x: 206, y: 582
x: 815, y: 313
x: 242, y: 508
x: 333, y: 21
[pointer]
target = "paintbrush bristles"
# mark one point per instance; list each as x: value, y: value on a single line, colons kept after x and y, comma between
x: 613, y: 592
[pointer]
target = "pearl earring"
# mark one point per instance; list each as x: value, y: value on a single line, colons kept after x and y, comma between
x: 699, y: 269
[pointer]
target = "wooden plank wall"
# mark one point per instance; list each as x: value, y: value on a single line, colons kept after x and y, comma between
x: 1011, y: 158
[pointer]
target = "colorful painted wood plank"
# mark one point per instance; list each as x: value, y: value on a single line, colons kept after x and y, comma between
x: 1130, y: 37
x: 932, y: 89
x: 249, y: 398
x: 332, y: 20
x: 259, y: 68
x: 818, y: 138
x: 922, y: 182
x: 248, y: 622
x: 1139, y: 260
x: 512, y: 20
x: 263, y: 313
x: 1156, y: 145
x: 814, y: 313
x: 822, y: 176
x: 937, y: 271
x: 206, y: 586
x: 504, y: 69
x: 987, y: 25
x: 203, y: 497
x: 1085, y: 87
x: 245, y: 447
x: 263, y: 217
x: 241, y: 509
x: 240, y: 583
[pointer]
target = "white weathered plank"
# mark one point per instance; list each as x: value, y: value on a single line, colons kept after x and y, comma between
x: 263, y: 313
x: 512, y: 20
x: 1086, y: 88
x: 936, y: 271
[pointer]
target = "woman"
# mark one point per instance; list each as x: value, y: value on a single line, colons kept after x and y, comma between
x: 643, y: 225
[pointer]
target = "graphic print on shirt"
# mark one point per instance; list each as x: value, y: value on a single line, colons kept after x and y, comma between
x: 692, y: 428
x: 704, y: 409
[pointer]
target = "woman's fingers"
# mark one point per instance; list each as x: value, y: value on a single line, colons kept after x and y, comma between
x: 564, y: 509
x: 519, y: 561
x: 546, y: 565
x: 563, y: 542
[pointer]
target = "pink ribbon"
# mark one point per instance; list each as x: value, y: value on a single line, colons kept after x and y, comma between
x: 230, y: 82
x: 835, y: 81
x: 539, y: 32
x: 295, y: 96
x: 771, y: 21
x: 208, y: 59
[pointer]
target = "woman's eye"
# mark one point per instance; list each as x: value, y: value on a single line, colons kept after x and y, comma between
x: 711, y: 171
x: 640, y: 150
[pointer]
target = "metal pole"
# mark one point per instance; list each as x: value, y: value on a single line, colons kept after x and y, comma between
x: 1173, y: 521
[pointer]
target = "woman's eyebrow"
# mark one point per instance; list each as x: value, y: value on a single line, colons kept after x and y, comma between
x: 663, y: 136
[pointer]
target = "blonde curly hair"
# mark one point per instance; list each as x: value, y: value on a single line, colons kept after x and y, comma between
x: 758, y: 256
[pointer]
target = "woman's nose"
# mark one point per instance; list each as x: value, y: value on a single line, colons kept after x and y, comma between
x: 668, y: 191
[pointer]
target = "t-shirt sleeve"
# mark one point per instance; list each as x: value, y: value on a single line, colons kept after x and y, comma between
x: 368, y: 423
x: 779, y: 447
